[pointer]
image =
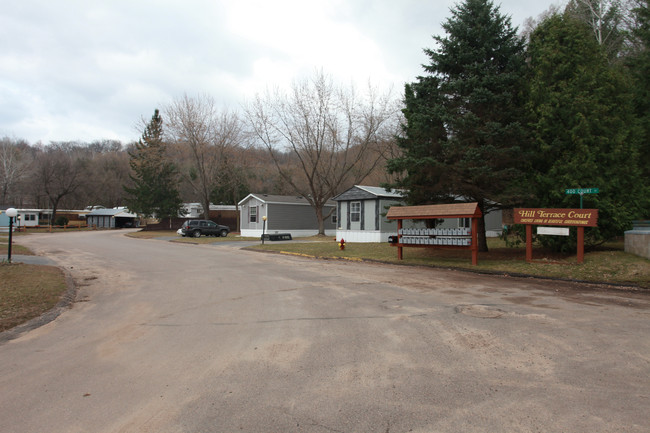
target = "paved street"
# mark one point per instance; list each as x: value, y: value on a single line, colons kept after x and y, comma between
x: 168, y: 337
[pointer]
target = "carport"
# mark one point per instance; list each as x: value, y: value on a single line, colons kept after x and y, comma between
x: 111, y: 218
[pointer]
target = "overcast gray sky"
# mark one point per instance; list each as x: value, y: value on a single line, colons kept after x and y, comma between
x: 89, y: 70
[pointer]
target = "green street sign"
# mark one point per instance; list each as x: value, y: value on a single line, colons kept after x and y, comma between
x: 582, y: 191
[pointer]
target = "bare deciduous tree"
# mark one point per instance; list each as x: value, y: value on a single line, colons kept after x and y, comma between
x: 610, y: 21
x: 204, y: 133
x: 335, y: 134
x: 14, y: 160
x: 109, y: 165
x: 60, y: 172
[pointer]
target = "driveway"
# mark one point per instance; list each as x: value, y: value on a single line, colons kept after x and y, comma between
x: 167, y: 337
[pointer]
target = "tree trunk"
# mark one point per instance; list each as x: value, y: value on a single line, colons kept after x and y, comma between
x: 206, y: 209
x: 319, y: 218
x: 482, y: 240
x: 235, y: 198
x: 238, y: 223
x: 55, y: 205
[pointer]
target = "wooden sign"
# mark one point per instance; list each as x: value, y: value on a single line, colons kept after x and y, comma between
x: 580, y: 218
x: 557, y: 217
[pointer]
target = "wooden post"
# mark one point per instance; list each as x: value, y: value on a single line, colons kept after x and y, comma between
x: 474, y: 241
x: 399, y: 239
x: 581, y: 243
x: 529, y: 243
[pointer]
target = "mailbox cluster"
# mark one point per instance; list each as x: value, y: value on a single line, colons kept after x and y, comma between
x: 456, y: 236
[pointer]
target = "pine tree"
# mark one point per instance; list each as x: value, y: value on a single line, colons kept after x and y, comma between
x: 464, y: 134
x: 586, y: 133
x: 639, y: 64
x: 155, y: 178
x: 421, y: 165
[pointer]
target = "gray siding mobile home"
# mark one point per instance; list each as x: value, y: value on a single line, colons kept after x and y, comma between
x: 360, y: 213
x: 285, y: 214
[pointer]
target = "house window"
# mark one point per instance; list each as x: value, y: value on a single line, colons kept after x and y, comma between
x: 334, y: 219
x: 355, y: 211
x: 465, y: 222
x: 252, y: 214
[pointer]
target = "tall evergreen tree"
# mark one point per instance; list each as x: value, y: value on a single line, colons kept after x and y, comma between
x: 464, y: 134
x: 154, y: 176
x: 639, y: 64
x: 584, y: 125
x: 421, y: 166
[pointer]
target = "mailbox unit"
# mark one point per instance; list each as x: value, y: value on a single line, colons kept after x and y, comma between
x: 463, y: 238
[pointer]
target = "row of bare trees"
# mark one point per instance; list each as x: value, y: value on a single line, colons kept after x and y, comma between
x: 316, y: 140
x: 75, y: 175
x: 62, y: 174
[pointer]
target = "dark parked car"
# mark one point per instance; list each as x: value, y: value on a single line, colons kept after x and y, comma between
x: 196, y: 228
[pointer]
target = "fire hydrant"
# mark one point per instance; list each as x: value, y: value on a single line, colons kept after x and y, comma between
x: 342, y: 244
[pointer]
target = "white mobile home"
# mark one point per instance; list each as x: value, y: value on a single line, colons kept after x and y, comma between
x: 25, y: 218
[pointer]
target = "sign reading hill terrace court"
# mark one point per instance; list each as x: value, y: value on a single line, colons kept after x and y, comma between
x: 557, y: 217
x: 580, y: 218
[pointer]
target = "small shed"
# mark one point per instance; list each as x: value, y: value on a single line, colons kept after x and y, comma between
x: 285, y: 214
x: 111, y: 218
x: 361, y: 213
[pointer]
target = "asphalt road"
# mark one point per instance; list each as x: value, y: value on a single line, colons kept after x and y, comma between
x: 167, y: 337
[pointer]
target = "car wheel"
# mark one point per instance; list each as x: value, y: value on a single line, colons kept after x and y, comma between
x: 223, y: 233
x: 196, y: 233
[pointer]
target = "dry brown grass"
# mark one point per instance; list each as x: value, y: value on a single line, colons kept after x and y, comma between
x: 27, y: 291
x: 609, y: 264
x: 15, y: 249
x: 153, y: 234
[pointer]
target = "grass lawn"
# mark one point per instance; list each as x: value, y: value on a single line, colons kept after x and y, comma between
x: 151, y: 234
x: 232, y: 237
x: 27, y: 291
x: 57, y: 229
x: 15, y: 249
x: 608, y: 264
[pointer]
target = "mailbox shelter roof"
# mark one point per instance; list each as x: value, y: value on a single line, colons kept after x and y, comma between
x: 454, y: 210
